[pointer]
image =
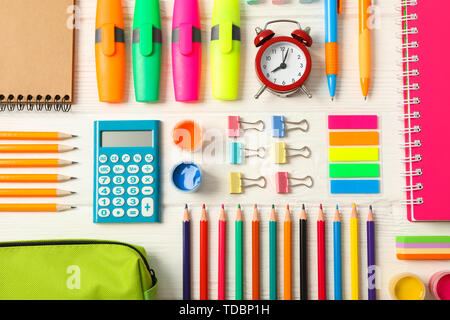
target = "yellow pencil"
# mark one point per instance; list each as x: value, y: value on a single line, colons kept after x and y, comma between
x: 30, y: 135
x: 34, y: 148
x: 33, y: 207
x: 287, y: 255
x: 354, y: 256
x: 34, y: 193
x: 34, y: 163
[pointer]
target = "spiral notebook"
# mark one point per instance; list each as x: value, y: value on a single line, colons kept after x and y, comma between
x: 427, y: 112
x: 36, y: 54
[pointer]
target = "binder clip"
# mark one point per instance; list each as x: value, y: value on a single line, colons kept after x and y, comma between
x: 234, y: 126
x: 280, y: 152
x: 279, y: 126
x: 237, y: 152
x: 236, y: 187
x: 282, y: 182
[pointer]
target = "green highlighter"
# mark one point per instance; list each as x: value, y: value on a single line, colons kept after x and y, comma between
x: 147, y: 48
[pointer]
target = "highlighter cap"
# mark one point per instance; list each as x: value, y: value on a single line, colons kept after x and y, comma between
x: 226, y: 11
x: 109, y: 12
x: 147, y: 12
x: 186, y: 12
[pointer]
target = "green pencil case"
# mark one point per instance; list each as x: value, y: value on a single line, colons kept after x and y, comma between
x: 75, y: 270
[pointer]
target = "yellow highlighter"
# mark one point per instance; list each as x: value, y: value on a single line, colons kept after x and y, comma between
x: 225, y: 49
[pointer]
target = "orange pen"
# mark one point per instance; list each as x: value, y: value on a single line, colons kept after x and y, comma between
x: 364, y: 46
x: 110, y: 50
x: 33, y: 207
x: 30, y: 135
x: 34, y: 163
x: 38, y: 193
x: 34, y: 148
x: 33, y: 178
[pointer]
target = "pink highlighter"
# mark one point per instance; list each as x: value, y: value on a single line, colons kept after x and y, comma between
x: 186, y: 50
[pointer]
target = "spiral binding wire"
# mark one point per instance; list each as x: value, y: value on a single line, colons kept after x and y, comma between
x: 410, y: 102
x: 38, y: 103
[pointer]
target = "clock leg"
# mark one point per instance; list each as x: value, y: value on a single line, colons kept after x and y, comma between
x: 260, y: 91
x: 306, y: 91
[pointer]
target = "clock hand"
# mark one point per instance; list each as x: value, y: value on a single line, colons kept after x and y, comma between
x: 283, y: 64
x: 285, y: 57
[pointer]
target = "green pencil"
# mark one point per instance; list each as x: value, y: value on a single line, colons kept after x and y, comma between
x: 239, y: 256
x: 273, y: 254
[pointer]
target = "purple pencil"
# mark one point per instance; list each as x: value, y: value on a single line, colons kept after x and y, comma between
x: 371, y: 256
x: 186, y: 255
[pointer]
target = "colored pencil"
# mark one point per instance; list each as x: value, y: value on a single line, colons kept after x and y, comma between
x: 34, y: 178
x: 321, y: 275
x: 23, y: 135
x: 34, y: 207
x: 287, y: 255
x: 255, y: 255
x: 222, y: 252
x: 34, y: 148
x: 204, y: 255
x: 34, y: 163
x: 354, y: 255
x: 303, y: 256
x: 34, y: 193
x: 239, y: 255
x: 371, y: 256
x: 186, y: 254
x: 273, y: 255
x: 337, y: 255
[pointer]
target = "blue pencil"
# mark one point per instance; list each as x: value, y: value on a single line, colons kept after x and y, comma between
x: 337, y: 255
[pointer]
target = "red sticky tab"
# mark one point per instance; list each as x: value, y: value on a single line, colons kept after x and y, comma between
x: 185, y: 39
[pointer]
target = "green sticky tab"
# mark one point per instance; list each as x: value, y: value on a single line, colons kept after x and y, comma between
x: 354, y: 170
x: 146, y: 39
x: 423, y: 239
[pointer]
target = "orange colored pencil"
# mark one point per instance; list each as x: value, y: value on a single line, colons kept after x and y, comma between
x: 287, y: 255
x: 34, y: 178
x: 34, y: 193
x: 30, y: 135
x: 33, y: 207
x: 34, y: 148
x: 255, y: 255
x: 34, y: 163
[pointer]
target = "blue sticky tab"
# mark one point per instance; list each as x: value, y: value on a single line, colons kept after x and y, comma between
x: 278, y: 126
x: 355, y: 186
x: 235, y: 151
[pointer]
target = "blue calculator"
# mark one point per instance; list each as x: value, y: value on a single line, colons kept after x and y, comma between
x: 126, y: 171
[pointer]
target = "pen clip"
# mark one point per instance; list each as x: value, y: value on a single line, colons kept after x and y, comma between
x: 186, y: 45
x: 226, y: 37
x: 146, y: 39
x: 339, y: 6
x: 108, y: 43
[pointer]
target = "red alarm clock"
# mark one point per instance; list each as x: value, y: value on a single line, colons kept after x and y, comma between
x: 283, y: 64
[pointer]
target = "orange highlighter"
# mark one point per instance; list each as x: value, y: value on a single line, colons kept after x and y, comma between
x: 110, y: 50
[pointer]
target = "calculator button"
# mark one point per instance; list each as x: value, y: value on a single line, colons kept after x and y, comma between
x: 103, y: 158
x: 137, y: 158
x: 103, y: 213
x: 148, y: 158
x: 104, y: 191
x: 147, y: 179
x: 133, y: 212
x: 104, y: 180
x: 118, y: 191
x: 147, y: 207
x: 118, y: 212
x: 126, y: 158
x: 132, y: 191
x: 119, y: 169
x: 148, y: 168
x: 133, y: 169
x: 104, y: 169
x: 118, y: 202
x: 114, y: 158
x: 118, y: 180
x: 104, y: 202
x: 133, y: 201
x: 147, y: 191
x: 133, y: 180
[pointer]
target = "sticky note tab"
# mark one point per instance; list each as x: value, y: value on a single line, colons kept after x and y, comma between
x: 353, y: 122
x: 234, y: 126
x: 355, y: 186
x: 235, y: 151
x: 354, y: 154
x: 279, y: 152
x: 252, y: 1
x: 364, y: 138
x: 235, y: 180
x: 354, y: 170
x: 282, y: 182
x: 278, y: 127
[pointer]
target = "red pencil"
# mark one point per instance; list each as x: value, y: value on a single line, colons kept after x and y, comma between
x: 222, y: 243
x: 204, y: 255
x: 321, y: 276
x: 255, y: 255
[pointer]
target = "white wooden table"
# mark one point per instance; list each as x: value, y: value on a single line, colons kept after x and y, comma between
x: 163, y: 241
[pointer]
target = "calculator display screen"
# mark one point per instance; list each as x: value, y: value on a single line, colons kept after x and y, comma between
x: 125, y: 139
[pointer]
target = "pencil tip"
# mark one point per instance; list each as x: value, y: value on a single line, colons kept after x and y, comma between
x: 73, y: 192
x: 354, y: 205
x: 273, y: 206
x: 370, y: 207
x: 365, y: 98
x: 74, y: 162
x: 73, y: 178
x: 303, y: 206
x: 204, y: 206
x: 256, y: 207
x: 186, y: 206
x: 287, y: 207
x: 337, y: 207
x: 73, y: 207
x: 223, y: 207
x: 239, y: 206
x: 321, y: 208
x: 74, y: 136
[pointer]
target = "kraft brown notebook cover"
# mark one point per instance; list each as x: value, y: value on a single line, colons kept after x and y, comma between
x: 36, y: 54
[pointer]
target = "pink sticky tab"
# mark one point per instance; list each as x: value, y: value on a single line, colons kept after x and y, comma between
x: 185, y: 39
x: 353, y: 122
x: 282, y: 182
x: 234, y: 126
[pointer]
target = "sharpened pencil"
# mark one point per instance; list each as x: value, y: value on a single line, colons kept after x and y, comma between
x: 321, y: 268
x: 204, y: 255
x: 222, y: 255
x: 34, y: 207
x: 303, y: 255
x: 38, y: 193
x: 337, y: 255
x: 34, y: 135
x: 371, y: 268
x: 255, y: 255
x: 287, y: 255
x: 273, y: 295
x: 239, y: 267
x: 186, y: 254
x: 354, y: 254
x: 34, y: 148
x: 34, y: 163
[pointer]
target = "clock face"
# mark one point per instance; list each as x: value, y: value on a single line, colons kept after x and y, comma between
x: 283, y: 63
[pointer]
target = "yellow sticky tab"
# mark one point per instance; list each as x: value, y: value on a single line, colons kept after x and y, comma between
x: 235, y: 180
x: 226, y: 37
x: 279, y: 152
x: 354, y: 154
x: 108, y: 39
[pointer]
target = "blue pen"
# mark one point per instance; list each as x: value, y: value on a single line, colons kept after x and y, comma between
x: 337, y: 256
x: 332, y: 9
